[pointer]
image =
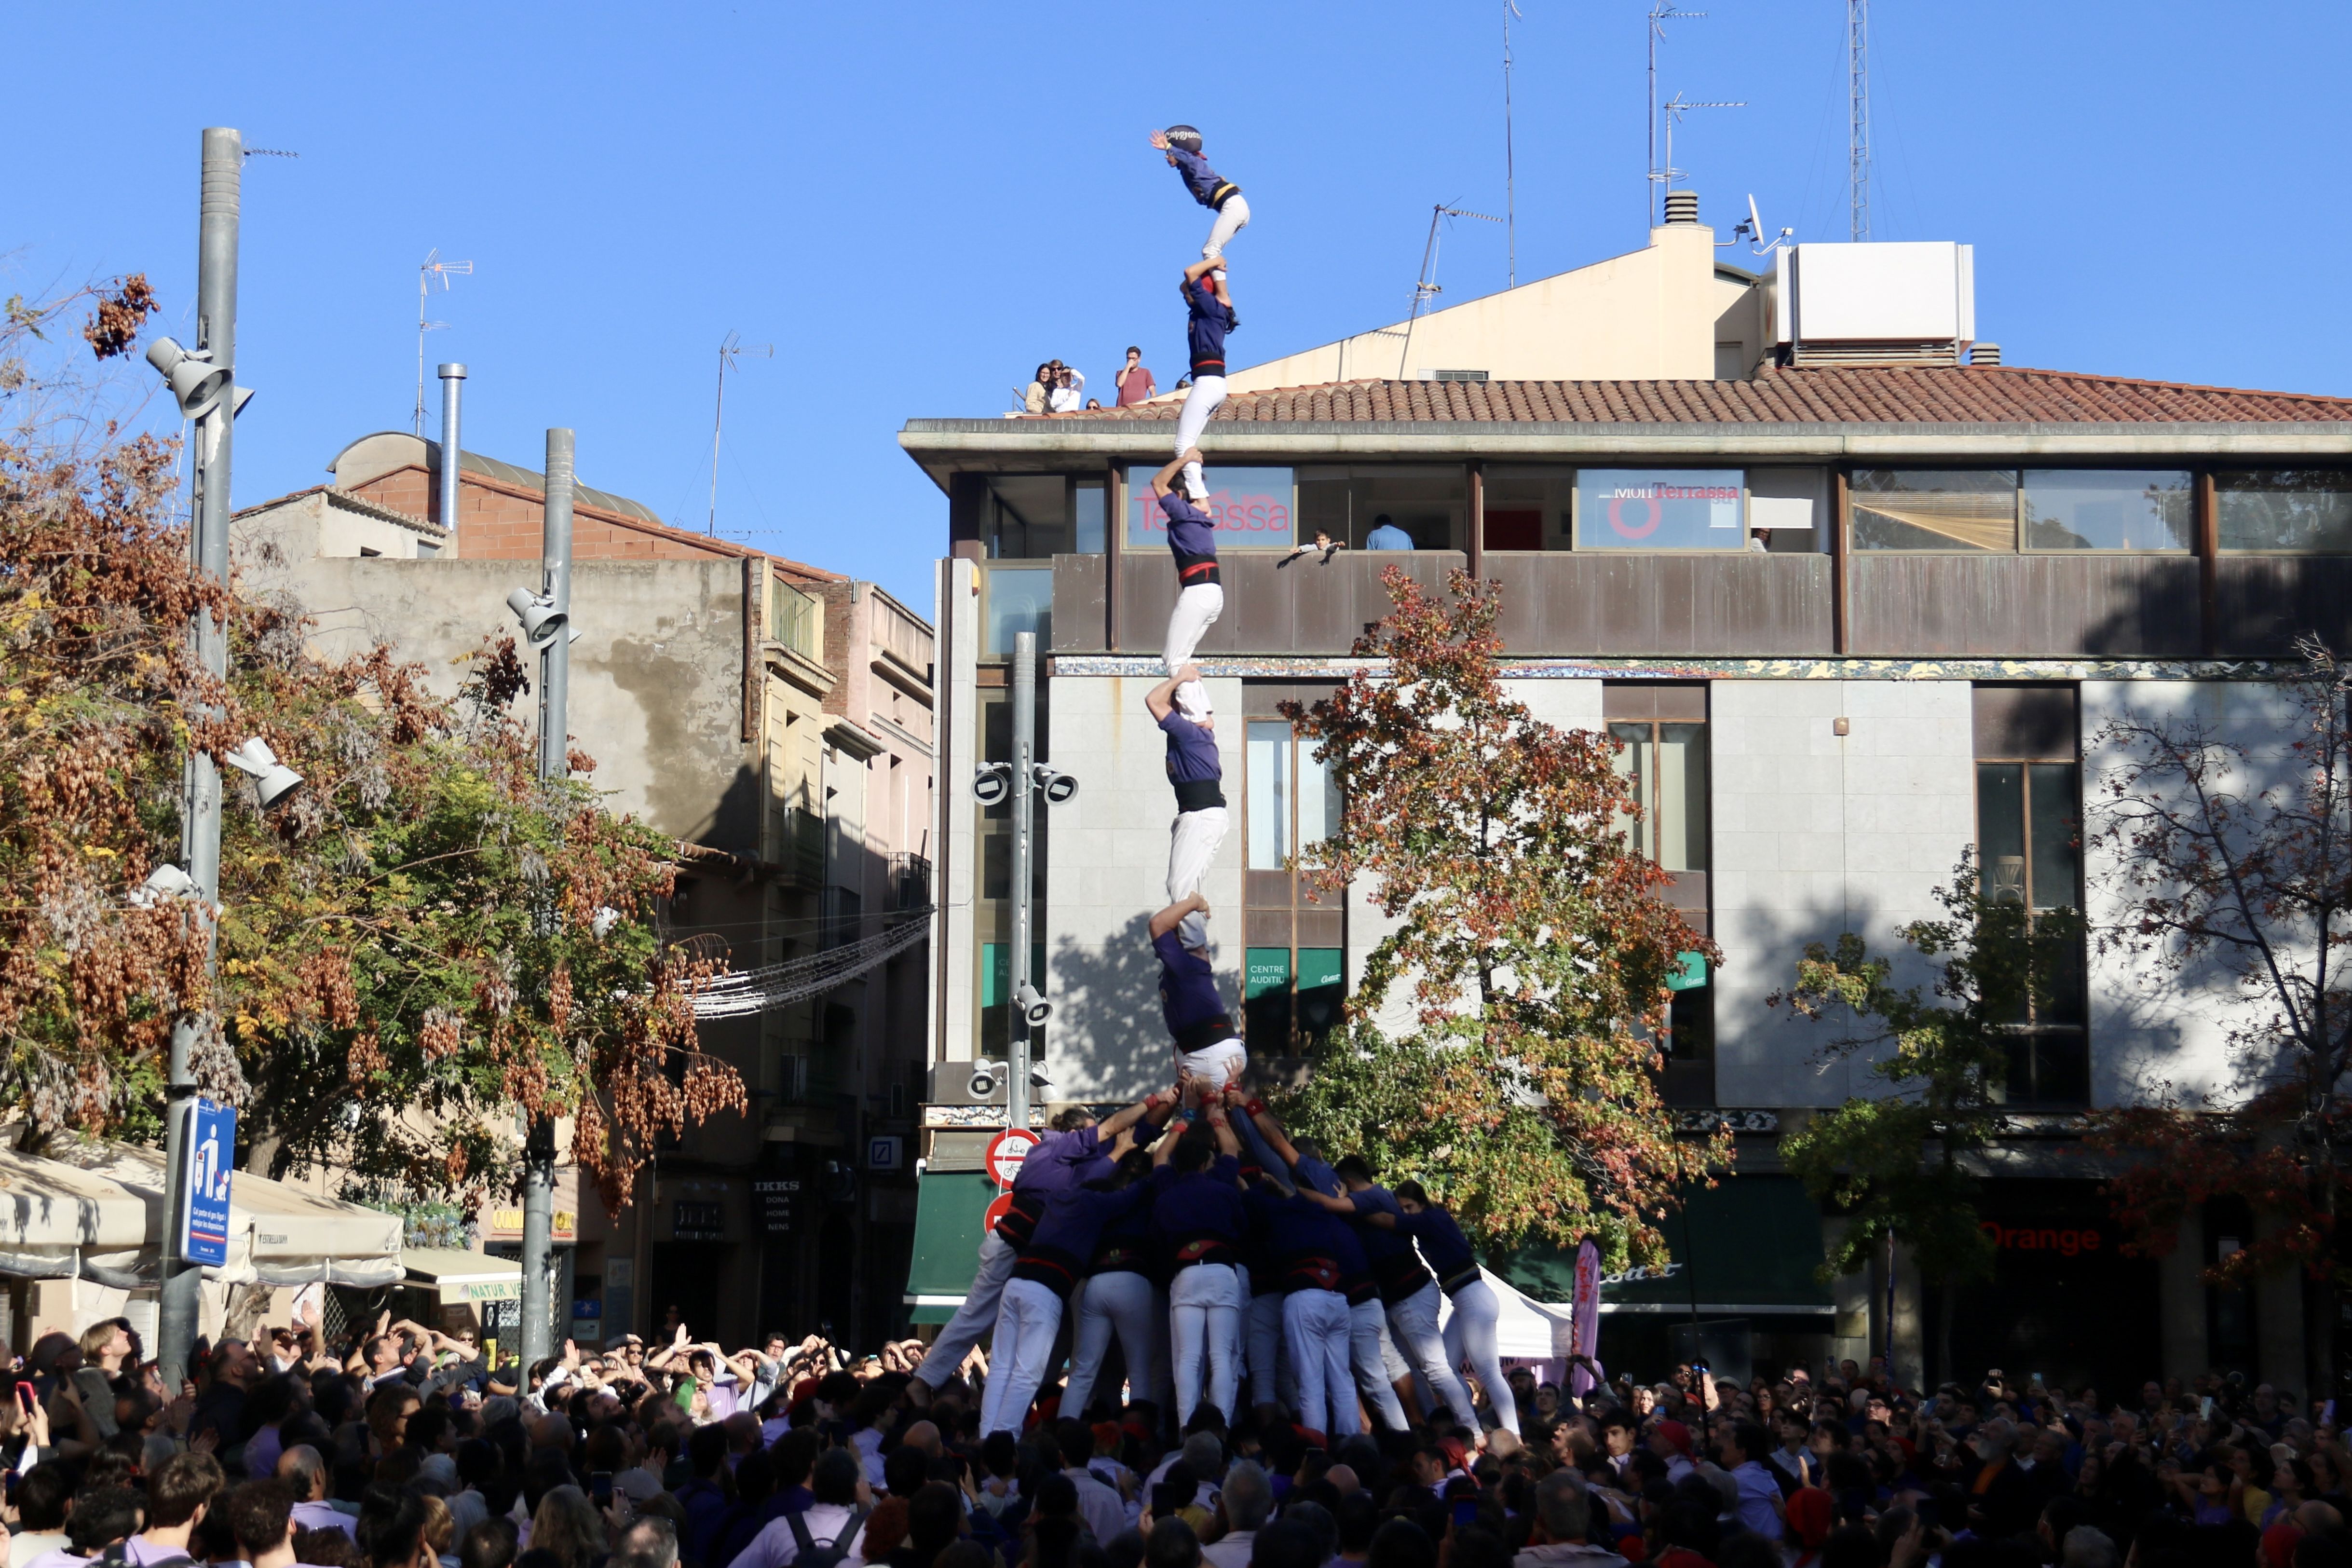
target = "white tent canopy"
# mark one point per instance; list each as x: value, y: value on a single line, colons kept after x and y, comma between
x: 1525, y: 1329
x: 278, y: 1235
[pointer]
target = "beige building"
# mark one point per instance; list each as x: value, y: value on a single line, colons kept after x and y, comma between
x: 775, y: 720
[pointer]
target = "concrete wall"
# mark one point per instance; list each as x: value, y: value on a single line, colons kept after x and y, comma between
x: 1106, y: 875
x: 1649, y: 314
x: 2153, y: 1029
x: 957, y: 739
x: 1816, y: 834
x: 316, y: 524
x: 657, y: 676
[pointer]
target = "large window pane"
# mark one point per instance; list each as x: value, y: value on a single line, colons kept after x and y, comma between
x: 1028, y: 516
x: 1790, y: 509
x: 1090, y: 497
x: 1633, y: 761
x: 1933, y: 509
x: 1255, y: 509
x: 1660, y: 509
x: 1270, y: 794
x: 2000, y: 830
x: 1528, y: 507
x: 2054, y: 804
x: 1427, y: 503
x: 1017, y: 599
x: 2107, y: 509
x: 1318, y: 798
x: 2284, y: 508
x: 1682, y: 797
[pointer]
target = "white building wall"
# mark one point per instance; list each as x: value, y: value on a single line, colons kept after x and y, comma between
x: 2156, y: 1032
x: 1105, y: 876
x: 1815, y: 834
x: 956, y: 873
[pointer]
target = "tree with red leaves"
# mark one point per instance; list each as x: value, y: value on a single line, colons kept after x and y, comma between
x: 2233, y: 872
x: 423, y: 940
x: 1529, y: 941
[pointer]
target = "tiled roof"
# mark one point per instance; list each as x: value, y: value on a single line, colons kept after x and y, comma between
x: 1972, y: 395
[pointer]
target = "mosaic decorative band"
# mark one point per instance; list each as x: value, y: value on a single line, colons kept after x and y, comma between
x: 1305, y: 667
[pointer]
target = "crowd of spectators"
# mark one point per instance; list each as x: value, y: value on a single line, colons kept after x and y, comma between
x: 396, y: 1445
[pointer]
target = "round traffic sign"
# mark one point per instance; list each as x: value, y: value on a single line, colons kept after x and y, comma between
x: 996, y: 1211
x: 1005, y: 1153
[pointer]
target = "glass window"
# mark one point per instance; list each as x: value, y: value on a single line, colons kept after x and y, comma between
x: 1660, y: 509
x: 1667, y: 762
x: 2284, y: 508
x: 1788, y: 508
x: 1529, y: 508
x: 1255, y: 509
x: 1294, y: 959
x: 1028, y: 517
x: 1422, y: 505
x: 2108, y: 508
x: 1015, y: 599
x: 1933, y: 509
x: 2028, y: 847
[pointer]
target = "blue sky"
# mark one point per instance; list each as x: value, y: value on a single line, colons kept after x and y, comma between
x: 915, y: 203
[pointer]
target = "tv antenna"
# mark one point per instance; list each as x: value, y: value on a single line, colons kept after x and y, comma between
x: 1670, y: 112
x: 1425, y: 288
x: 1661, y: 13
x: 1857, y: 133
x: 732, y: 348
x: 434, y: 267
x: 1510, y: 181
x: 1751, y: 228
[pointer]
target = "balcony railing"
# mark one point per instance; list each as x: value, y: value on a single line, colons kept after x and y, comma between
x: 910, y: 882
x: 798, y: 844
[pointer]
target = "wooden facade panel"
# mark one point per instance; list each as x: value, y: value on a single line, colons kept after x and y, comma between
x: 2024, y: 606
x: 2264, y: 602
x: 1078, y: 604
x: 1559, y: 602
x: 1147, y: 593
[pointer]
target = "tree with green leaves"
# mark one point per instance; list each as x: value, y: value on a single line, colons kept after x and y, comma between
x: 1902, y: 1166
x: 1529, y: 942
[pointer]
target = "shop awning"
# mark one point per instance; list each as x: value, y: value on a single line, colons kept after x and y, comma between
x: 58, y: 1222
x: 950, y: 1209
x: 1746, y: 1247
x: 464, y: 1276
x: 279, y: 1234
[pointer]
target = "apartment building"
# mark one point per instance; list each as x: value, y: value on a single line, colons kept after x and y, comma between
x: 1853, y: 595
x: 775, y: 719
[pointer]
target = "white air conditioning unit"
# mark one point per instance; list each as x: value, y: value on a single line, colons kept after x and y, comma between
x: 1874, y: 303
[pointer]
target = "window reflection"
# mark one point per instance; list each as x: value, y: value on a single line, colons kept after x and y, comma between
x: 2284, y: 508
x: 1933, y: 509
x: 2107, y: 509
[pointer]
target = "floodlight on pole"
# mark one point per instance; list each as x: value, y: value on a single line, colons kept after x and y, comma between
x: 542, y: 620
x: 164, y: 884
x: 273, y: 778
x: 991, y: 783
x: 985, y: 1077
x: 197, y: 382
x: 1057, y: 787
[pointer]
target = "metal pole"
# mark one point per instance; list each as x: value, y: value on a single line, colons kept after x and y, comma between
x: 199, y: 819
x: 452, y: 379
x: 1025, y: 748
x: 554, y: 763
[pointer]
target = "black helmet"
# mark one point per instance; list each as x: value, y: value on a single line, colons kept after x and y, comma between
x: 1184, y: 136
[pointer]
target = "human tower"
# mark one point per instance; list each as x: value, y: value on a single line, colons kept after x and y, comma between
x: 1191, y: 1227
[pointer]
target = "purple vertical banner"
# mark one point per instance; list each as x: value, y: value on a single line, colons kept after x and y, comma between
x: 1580, y: 1376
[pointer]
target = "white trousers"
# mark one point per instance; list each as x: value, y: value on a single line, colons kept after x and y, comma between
x: 1365, y: 1321
x: 1314, y: 1331
x: 1414, y: 1322
x: 1204, y: 1332
x: 1122, y: 1303
x: 974, y: 1318
x: 1197, y: 609
x: 1026, y: 1322
x: 1267, y: 1386
x: 1201, y: 400
x: 1231, y: 219
x: 1192, y: 841
x: 1470, y: 1339
x: 1213, y: 1064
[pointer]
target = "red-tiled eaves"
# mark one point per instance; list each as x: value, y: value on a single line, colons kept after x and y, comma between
x: 1971, y: 395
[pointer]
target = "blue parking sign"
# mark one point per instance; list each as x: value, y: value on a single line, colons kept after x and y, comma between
x: 208, y: 1155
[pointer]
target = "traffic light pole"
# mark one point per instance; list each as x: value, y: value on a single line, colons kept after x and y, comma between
x: 554, y: 763
x: 199, y: 814
x: 1025, y: 755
